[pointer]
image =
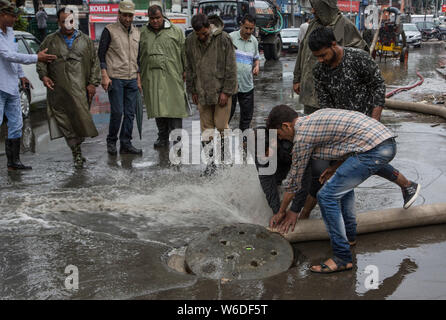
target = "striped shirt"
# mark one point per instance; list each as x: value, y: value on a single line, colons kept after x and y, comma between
x: 331, y: 134
x: 246, y: 53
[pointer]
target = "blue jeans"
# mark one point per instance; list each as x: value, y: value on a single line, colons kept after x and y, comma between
x: 10, y: 107
x: 122, y: 96
x: 337, y: 199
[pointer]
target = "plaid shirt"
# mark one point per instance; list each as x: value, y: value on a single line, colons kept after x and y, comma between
x: 332, y: 134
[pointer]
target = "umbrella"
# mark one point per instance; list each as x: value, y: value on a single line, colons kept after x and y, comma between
x: 139, y: 113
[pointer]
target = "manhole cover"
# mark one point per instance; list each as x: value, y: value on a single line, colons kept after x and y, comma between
x: 239, y: 251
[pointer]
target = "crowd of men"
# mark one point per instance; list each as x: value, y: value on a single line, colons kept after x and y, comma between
x: 324, y: 155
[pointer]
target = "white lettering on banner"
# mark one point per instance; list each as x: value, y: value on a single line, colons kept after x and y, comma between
x: 104, y: 8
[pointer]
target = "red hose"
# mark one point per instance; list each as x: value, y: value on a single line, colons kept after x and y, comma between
x: 393, y: 92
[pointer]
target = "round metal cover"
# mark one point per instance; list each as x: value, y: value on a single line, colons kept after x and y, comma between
x: 239, y: 251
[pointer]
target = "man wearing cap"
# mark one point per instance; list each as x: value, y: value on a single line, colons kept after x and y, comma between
x: 118, y: 54
x: 11, y: 71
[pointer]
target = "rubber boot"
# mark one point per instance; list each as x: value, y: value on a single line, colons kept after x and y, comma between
x: 13, y: 155
x: 163, y: 133
x: 77, y: 156
x: 8, y: 151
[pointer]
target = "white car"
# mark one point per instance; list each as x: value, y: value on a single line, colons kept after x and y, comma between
x: 413, y: 35
x: 290, y: 39
x: 28, y: 44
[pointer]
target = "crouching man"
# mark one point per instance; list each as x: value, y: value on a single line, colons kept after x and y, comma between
x: 361, y: 145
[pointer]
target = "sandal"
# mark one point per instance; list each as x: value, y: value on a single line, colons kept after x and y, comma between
x: 327, y: 269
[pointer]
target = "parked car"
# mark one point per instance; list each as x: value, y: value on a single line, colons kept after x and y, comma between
x: 430, y: 30
x: 290, y: 39
x: 413, y: 35
x: 36, y: 92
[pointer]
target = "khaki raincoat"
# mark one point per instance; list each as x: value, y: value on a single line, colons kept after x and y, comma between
x: 346, y: 34
x: 72, y: 71
x: 162, y: 64
x: 211, y: 66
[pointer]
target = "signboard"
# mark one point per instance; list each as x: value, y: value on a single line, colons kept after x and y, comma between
x: 443, y: 8
x: 104, y: 8
x: 344, y: 5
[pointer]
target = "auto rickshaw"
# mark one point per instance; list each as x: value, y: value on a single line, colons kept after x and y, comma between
x: 391, y: 37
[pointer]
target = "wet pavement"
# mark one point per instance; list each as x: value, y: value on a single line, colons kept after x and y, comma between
x: 121, y: 219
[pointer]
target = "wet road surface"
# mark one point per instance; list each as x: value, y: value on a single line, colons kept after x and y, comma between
x: 121, y: 218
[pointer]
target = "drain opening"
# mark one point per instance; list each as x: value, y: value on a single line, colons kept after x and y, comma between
x: 224, y: 242
x: 254, y: 263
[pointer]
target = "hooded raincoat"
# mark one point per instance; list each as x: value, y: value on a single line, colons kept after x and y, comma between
x: 162, y: 64
x: 72, y: 71
x: 346, y: 34
x: 211, y: 66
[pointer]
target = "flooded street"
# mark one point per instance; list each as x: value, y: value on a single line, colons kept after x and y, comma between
x: 120, y: 219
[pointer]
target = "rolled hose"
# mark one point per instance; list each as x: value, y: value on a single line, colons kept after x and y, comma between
x: 268, y: 30
x: 417, y: 107
x: 374, y: 221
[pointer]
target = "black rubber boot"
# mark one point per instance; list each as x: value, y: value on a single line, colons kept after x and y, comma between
x: 13, y: 155
x: 8, y: 151
x: 163, y: 133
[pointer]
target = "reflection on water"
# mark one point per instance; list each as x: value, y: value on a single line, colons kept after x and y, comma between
x: 117, y: 218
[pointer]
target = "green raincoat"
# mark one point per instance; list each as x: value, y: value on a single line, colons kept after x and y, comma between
x: 346, y: 34
x: 71, y: 72
x: 162, y: 64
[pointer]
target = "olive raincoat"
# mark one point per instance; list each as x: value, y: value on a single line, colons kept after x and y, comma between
x: 162, y: 64
x: 72, y: 71
x: 211, y: 66
x: 346, y: 34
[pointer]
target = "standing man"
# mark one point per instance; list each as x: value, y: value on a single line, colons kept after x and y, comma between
x: 162, y: 67
x: 11, y: 71
x: 211, y: 72
x: 41, y: 18
x: 118, y: 55
x: 248, y: 64
x: 72, y: 80
x: 361, y: 145
x: 326, y: 13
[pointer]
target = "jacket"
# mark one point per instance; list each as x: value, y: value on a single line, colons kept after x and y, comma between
x: 211, y: 66
x: 162, y: 64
